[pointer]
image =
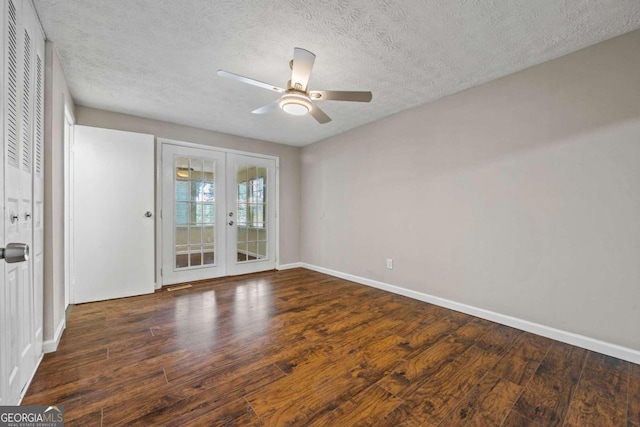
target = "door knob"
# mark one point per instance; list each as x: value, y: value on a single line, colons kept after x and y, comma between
x: 148, y: 214
x: 15, y: 252
x: 230, y: 222
x: 27, y: 215
x: 14, y: 217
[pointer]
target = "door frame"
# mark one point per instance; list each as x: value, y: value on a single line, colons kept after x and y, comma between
x: 158, y: 225
x: 69, y: 119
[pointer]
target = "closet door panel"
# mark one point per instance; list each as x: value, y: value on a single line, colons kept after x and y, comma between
x: 13, y: 290
x: 22, y: 103
x: 25, y: 212
x: 37, y: 173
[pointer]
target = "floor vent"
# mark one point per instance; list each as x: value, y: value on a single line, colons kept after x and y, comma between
x: 178, y: 288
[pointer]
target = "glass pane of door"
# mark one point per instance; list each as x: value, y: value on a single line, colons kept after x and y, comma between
x: 195, y: 206
x: 252, y: 186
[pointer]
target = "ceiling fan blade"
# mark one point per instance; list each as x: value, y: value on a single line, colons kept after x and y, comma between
x: 340, y: 95
x: 247, y: 80
x: 319, y: 115
x: 266, y: 108
x: 301, y: 69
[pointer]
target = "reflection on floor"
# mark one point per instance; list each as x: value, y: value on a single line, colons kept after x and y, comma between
x: 302, y: 348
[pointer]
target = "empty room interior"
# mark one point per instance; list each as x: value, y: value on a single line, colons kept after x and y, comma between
x: 329, y: 213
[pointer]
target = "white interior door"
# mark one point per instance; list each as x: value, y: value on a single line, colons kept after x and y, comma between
x: 113, y: 214
x: 193, y: 230
x: 251, y: 214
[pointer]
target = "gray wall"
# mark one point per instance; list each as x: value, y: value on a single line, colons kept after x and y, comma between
x: 56, y: 92
x: 520, y: 196
x: 289, y: 162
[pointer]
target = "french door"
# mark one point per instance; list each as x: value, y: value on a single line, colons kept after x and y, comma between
x: 193, y: 186
x: 218, y: 214
x: 250, y: 214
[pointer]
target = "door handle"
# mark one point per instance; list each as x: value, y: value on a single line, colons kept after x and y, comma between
x: 230, y: 222
x: 15, y: 252
x: 13, y: 217
x: 148, y: 214
x: 27, y: 215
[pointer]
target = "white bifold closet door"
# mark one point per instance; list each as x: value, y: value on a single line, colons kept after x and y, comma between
x: 113, y: 184
x: 21, y: 195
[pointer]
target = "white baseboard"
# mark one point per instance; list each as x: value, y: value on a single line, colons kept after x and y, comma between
x: 290, y: 266
x: 51, y: 345
x: 578, y: 340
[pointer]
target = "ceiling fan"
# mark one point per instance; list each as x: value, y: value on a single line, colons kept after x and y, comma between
x: 297, y: 98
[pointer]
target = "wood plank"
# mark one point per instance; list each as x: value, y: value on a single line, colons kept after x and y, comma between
x: 522, y: 360
x: 401, y: 417
x: 367, y: 406
x: 74, y: 412
x: 487, y: 404
x: 427, y: 335
x: 416, y: 315
x: 600, y: 397
x: 439, y: 393
x: 406, y: 377
x: 633, y: 399
x: 237, y: 413
x: 100, y: 398
x: 547, y: 396
x: 71, y: 360
x: 516, y: 419
x: 328, y: 383
x: 92, y: 419
x: 194, y: 399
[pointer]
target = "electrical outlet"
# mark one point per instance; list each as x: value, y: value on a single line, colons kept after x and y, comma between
x: 389, y: 263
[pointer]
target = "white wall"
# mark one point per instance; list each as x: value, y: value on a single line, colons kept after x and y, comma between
x: 56, y: 92
x: 289, y: 213
x: 521, y: 196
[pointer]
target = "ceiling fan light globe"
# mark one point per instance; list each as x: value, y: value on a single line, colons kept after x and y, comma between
x: 296, y: 105
x: 295, y: 109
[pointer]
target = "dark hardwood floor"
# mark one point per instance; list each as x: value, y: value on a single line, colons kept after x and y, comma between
x: 301, y: 348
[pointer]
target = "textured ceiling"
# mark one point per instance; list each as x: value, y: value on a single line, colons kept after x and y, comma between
x: 158, y: 58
